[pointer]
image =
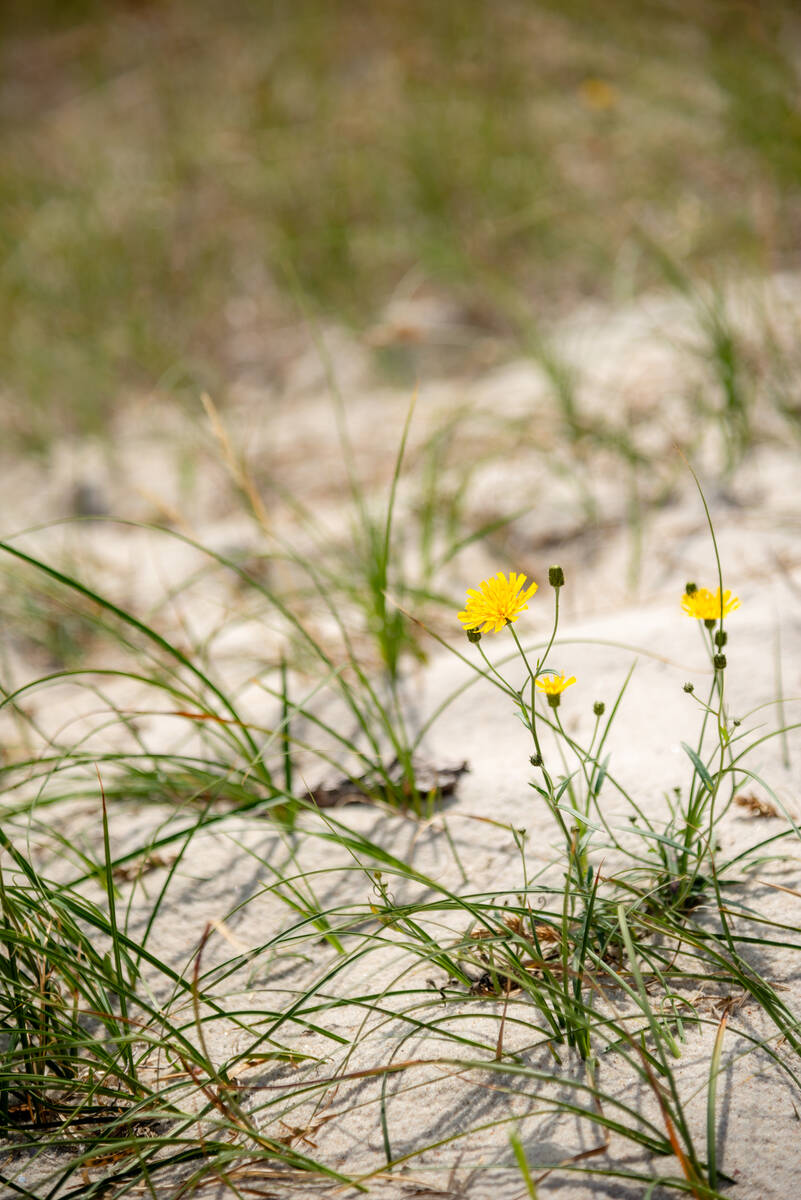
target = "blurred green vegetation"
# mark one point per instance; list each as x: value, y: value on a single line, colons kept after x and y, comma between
x: 172, y: 172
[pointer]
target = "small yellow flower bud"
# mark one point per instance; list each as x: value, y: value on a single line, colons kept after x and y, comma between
x: 556, y: 577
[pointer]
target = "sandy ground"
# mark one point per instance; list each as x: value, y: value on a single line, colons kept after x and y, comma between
x: 624, y: 581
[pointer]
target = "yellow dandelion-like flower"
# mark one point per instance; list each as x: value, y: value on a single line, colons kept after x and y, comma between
x: 707, y: 606
x: 498, y: 602
x: 554, y: 685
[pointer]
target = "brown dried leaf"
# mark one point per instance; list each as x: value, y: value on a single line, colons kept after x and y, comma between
x: 428, y: 779
x: 129, y: 871
x: 756, y: 807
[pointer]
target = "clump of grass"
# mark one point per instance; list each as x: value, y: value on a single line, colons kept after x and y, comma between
x: 370, y: 975
x: 594, y: 934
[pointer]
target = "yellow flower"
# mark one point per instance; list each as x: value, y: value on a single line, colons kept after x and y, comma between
x: 499, y: 602
x: 706, y: 605
x: 554, y: 685
x: 598, y: 94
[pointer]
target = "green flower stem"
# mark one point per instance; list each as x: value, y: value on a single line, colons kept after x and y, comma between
x: 722, y: 741
x: 530, y: 714
x: 695, y: 802
x: 703, y: 801
x: 530, y: 718
x: 582, y: 760
x: 504, y: 683
x: 553, y: 632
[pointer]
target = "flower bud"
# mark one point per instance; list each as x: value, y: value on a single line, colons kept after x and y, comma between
x: 536, y: 760
x: 556, y: 577
x: 599, y: 708
x: 721, y: 637
x: 719, y: 662
x: 689, y: 687
x: 473, y: 635
x: 690, y: 588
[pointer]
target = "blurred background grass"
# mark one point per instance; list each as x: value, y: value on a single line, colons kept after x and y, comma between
x: 174, y: 174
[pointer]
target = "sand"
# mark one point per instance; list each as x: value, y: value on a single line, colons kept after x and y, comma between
x: 626, y: 558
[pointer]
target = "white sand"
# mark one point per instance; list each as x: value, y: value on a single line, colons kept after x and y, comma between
x: 620, y: 605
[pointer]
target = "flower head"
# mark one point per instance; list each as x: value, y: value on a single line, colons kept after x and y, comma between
x: 553, y: 686
x: 707, y: 606
x: 498, y: 602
